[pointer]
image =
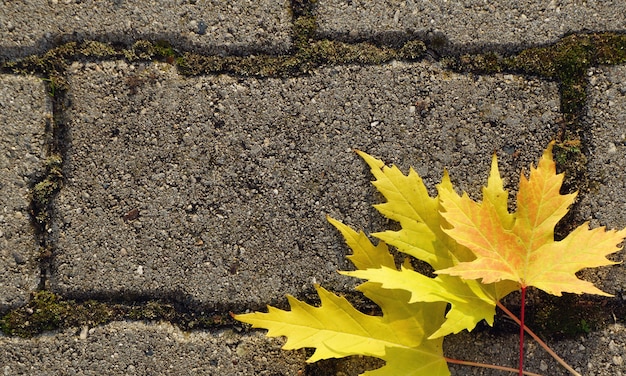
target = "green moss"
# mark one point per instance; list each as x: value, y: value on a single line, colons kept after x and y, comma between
x: 610, y: 48
x: 44, y: 312
x: 97, y: 49
x: 331, y: 52
x: 152, y: 311
x: 304, y: 31
x: 163, y: 48
x: 48, y: 311
x: 412, y: 50
x: 195, y: 64
x: 487, y: 63
x: 44, y: 191
x: 140, y: 50
x: 315, y: 54
x: 146, y: 50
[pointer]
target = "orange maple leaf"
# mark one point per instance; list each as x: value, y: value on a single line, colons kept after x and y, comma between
x: 524, y: 250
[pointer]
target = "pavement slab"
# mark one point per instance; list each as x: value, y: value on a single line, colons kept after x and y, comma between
x: 136, y: 348
x: 25, y: 109
x: 467, y: 26
x: 605, y: 204
x: 215, y: 26
x: 212, y: 190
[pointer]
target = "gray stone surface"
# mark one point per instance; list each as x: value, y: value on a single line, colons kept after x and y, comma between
x: 24, y: 111
x: 232, y: 178
x: 215, y: 26
x: 134, y: 348
x: 468, y: 25
x: 605, y: 204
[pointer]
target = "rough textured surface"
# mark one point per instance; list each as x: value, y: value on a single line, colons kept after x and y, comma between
x: 605, y: 204
x: 127, y: 348
x: 215, y: 26
x: 213, y: 190
x: 24, y: 111
x: 467, y: 25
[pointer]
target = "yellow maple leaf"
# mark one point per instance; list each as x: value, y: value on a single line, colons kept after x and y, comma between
x: 336, y: 329
x: 520, y: 247
x: 463, y: 241
x: 422, y: 236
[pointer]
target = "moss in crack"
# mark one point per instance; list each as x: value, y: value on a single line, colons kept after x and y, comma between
x: 304, y: 31
x: 47, y: 311
x: 146, y: 50
x: 51, y: 65
x: 332, y: 52
x: 610, y: 48
x: 44, y: 191
x: 54, y: 62
x: 412, y: 50
x: 488, y: 63
x: 43, y: 312
x: 304, y: 22
x: 93, y: 49
x: 316, y: 54
x: 307, y: 54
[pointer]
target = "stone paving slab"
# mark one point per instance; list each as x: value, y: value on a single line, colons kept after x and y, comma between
x: 135, y: 348
x: 215, y: 26
x: 213, y: 190
x: 605, y: 205
x: 467, y: 25
x: 24, y: 111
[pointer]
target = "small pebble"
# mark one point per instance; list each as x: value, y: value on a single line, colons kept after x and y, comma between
x: 83, y: 332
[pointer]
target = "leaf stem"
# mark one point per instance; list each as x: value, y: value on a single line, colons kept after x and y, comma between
x: 521, y: 333
x: 483, y: 365
x: 539, y: 341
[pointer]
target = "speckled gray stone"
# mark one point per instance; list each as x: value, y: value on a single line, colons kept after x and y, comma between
x: 24, y: 111
x: 215, y: 26
x: 213, y: 190
x: 135, y: 348
x: 605, y: 204
x: 467, y: 25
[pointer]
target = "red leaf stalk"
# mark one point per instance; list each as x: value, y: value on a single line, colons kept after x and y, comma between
x: 521, y: 333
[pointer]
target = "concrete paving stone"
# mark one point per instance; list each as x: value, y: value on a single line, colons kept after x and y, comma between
x: 135, y: 348
x: 24, y: 110
x: 605, y: 205
x: 213, y: 190
x: 467, y: 25
x: 213, y: 26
